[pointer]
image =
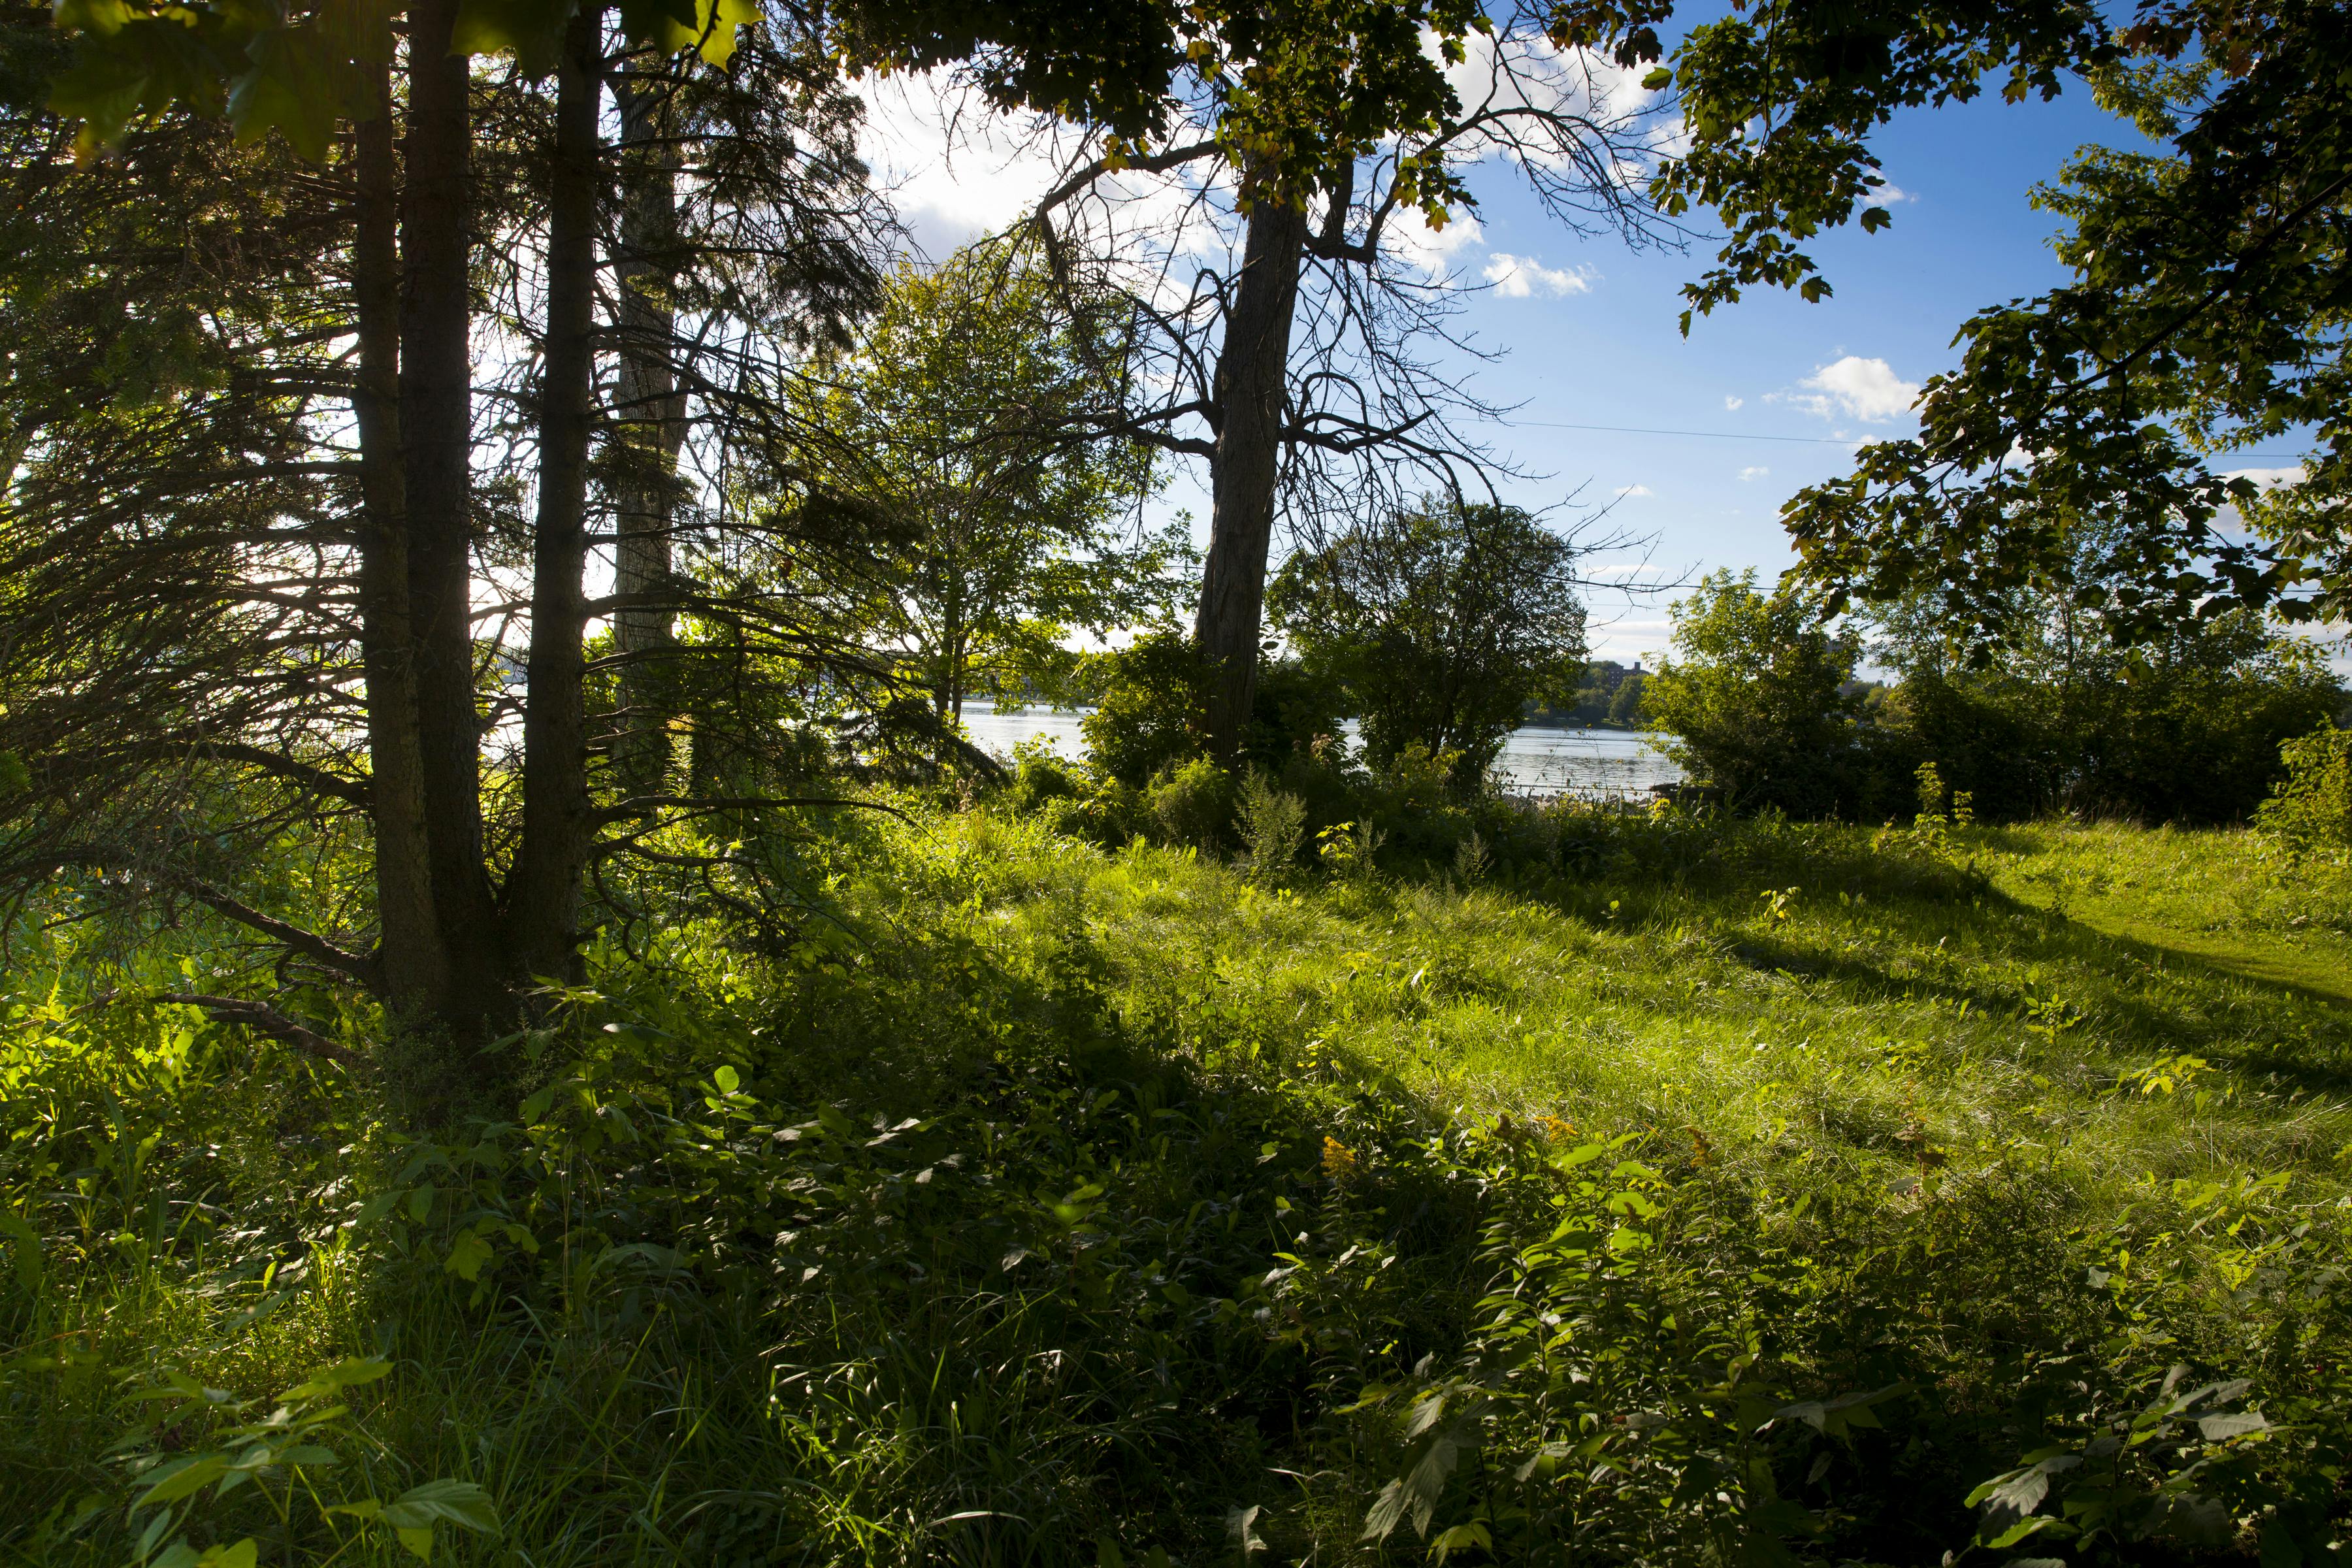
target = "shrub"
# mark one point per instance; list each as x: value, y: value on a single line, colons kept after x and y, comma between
x: 1150, y: 706
x: 1757, y: 700
x: 1191, y: 804
x: 1039, y: 776
x: 1273, y: 826
x: 2311, y: 807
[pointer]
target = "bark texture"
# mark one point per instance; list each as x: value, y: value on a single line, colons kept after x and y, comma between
x: 542, y: 893
x: 1252, y: 378
x: 650, y: 415
x: 436, y: 446
x: 411, y: 965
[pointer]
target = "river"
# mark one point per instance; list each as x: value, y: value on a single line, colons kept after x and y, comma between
x: 1535, y: 761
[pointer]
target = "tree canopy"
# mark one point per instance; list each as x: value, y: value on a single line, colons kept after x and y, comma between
x: 2205, y: 313
x: 965, y: 415
x: 1441, y: 623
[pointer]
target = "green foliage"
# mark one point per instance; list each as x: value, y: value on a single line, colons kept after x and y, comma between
x: 2311, y: 807
x: 955, y: 418
x: 1191, y: 802
x: 2202, y: 316
x: 1440, y: 625
x: 1688, y: 1187
x: 2060, y: 714
x: 1150, y: 706
x: 1757, y: 700
x: 1611, y: 695
x: 2182, y: 726
x: 1273, y: 826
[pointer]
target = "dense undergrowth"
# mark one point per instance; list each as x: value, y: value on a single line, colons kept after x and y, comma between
x: 1673, y: 1191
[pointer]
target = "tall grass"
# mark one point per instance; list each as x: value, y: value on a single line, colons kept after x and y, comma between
x: 1679, y: 1188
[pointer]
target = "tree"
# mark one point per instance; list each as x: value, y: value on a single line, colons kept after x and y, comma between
x: 1284, y: 324
x: 271, y: 570
x: 2069, y: 711
x: 1755, y: 700
x: 2204, y: 315
x: 447, y: 499
x: 1441, y: 623
x: 953, y: 419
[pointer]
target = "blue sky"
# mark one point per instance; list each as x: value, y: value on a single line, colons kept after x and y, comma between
x: 1964, y: 236
x: 1590, y: 332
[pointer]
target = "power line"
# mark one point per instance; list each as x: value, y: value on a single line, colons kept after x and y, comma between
x: 1711, y: 434
x: 1809, y: 440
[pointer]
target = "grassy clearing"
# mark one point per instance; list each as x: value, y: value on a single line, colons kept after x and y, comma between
x: 1798, y: 999
x: 1692, y: 1189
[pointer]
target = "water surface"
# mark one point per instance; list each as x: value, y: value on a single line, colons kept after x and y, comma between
x: 1534, y: 761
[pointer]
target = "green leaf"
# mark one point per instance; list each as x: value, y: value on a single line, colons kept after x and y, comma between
x: 461, y: 1503
x: 25, y: 1247
x: 467, y: 1253
x: 330, y: 1381
x: 182, y: 1476
x: 294, y: 87
x: 417, y: 1542
x: 530, y: 31
x: 727, y: 1080
x: 1461, y: 1536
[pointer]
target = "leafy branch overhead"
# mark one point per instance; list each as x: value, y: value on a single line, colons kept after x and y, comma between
x: 2204, y: 314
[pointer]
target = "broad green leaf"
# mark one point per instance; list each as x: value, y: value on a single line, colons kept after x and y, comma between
x: 467, y: 1253
x: 329, y: 1381
x: 183, y: 1477
x: 461, y: 1503
x: 294, y: 87
x: 532, y: 31
x: 25, y: 1248
x: 1461, y: 1537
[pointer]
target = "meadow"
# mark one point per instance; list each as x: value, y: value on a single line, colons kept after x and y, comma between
x: 1640, y: 1188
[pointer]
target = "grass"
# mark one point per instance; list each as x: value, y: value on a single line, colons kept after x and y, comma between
x: 1046, y: 1203
x: 1806, y: 1003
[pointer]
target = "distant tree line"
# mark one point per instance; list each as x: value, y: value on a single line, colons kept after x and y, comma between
x: 1609, y: 698
x: 2058, y: 713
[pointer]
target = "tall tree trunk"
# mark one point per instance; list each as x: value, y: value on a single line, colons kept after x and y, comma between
x: 542, y: 892
x: 411, y: 967
x: 1251, y: 383
x: 437, y: 449
x: 651, y: 411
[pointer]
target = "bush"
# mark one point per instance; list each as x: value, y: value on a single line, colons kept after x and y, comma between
x: 1273, y: 826
x: 1758, y: 700
x: 1191, y: 804
x: 2311, y: 807
x: 1039, y: 776
x: 2185, y: 728
x: 1150, y: 706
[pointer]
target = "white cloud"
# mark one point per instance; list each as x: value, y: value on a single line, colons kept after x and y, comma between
x: 1520, y: 277
x: 1859, y: 388
x: 953, y: 172
x: 1731, y: 404
x: 1890, y: 194
x: 2268, y: 479
x: 1755, y: 473
x: 1626, y: 491
x: 1433, y: 249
